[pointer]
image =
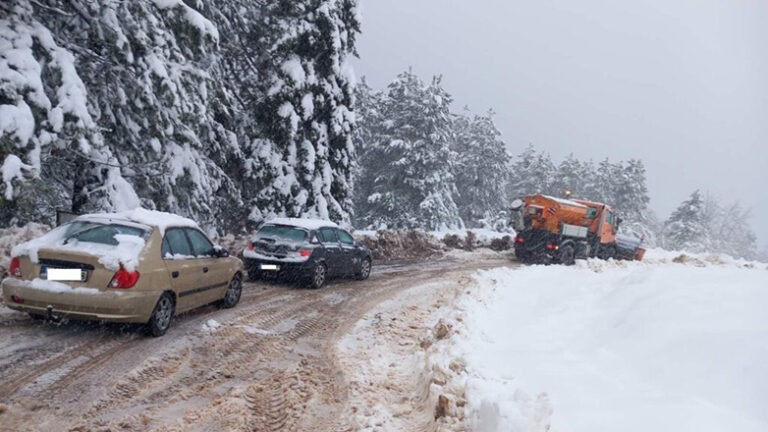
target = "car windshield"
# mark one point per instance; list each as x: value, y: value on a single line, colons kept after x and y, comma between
x: 100, y: 233
x: 283, y: 232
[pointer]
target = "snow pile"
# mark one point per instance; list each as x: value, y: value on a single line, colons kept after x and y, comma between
x: 470, y: 239
x: 386, y: 245
x: 617, y: 346
x: 10, y: 237
x: 211, y: 326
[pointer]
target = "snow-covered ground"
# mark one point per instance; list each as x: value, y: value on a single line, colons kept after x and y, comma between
x: 671, y: 344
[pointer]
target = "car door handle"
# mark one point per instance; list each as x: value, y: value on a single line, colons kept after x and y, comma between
x: 205, y: 269
x: 175, y: 274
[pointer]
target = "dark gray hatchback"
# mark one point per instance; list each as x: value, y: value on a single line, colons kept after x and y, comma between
x: 306, y: 250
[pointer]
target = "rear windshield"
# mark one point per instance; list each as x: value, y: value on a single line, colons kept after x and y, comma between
x: 283, y: 232
x: 100, y: 233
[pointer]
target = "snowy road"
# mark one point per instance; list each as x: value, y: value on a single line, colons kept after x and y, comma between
x: 268, y: 365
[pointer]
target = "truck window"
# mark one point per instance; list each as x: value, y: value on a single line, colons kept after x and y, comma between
x: 609, y: 217
x: 591, y: 212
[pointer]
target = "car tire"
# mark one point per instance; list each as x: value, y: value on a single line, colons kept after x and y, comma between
x: 161, y: 317
x: 233, y: 293
x: 365, y: 269
x: 319, y: 276
x: 566, y: 255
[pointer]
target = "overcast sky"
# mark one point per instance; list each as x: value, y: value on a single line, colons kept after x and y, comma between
x: 680, y: 84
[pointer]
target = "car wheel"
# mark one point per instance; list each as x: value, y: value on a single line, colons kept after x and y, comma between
x: 232, y: 296
x: 319, y: 274
x: 161, y: 317
x: 566, y: 255
x: 365, y: 269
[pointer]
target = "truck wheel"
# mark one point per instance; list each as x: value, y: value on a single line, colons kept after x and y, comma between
x: 522, y: 255
x: 608, y: 253
x: 566, y: 255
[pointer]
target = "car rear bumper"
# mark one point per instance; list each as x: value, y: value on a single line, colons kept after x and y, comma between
x: 80, y: 303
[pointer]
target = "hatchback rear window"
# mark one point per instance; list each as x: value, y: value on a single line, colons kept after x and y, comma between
x: 283, y: 232
x: 102, y: 234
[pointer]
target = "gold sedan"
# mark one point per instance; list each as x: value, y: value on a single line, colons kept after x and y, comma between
x: 138, y: 266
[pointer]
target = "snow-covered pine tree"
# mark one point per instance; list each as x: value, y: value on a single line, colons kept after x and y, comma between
x: 729, y: 229
x: 368, y: 105
x: 482, y: 172
x: 532, y: 172
x: 54, y: 152
x: 686, y: 228
x: 570, y: 176
x: 412, y: 181
x: 301, y: 161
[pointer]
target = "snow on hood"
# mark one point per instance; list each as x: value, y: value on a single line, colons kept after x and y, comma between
x: 310, y: 224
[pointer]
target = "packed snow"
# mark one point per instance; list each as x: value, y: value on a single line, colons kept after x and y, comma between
x: 657, y: 346
x: 211, y: 326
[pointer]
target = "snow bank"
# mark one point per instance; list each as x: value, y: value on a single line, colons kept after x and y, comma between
x: 10, y: 237
x: 608, y: 346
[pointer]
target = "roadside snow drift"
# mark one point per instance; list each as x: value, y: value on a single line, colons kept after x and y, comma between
x: 617, y: 347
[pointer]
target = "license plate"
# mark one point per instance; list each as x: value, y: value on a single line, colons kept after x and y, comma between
x: 63, y: 275
x: 270, y: 267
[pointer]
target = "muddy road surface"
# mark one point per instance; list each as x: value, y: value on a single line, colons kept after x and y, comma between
x: 269, y: 364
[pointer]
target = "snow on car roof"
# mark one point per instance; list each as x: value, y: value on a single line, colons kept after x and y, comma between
x: 146, y: 217
x: 565, y: 201
x: 310, y: 224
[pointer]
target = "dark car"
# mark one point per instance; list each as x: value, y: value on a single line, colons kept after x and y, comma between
x: 308, y: 250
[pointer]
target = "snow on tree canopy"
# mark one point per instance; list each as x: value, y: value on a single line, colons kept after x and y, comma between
x: 175, y: 106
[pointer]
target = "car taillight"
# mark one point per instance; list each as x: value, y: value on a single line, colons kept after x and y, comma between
x: 552, y: 246
x: 17, y: 299
x: 305, y: 252
x: 519, y: 239
x: 124, y: 279
x: 15, y: 269
x: 250, y: 246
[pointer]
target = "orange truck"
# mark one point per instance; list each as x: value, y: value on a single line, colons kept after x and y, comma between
x: 558, y: 230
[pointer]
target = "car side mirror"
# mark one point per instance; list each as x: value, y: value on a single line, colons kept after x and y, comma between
x: 220, y: 252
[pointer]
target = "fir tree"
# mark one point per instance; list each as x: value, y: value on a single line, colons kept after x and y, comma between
x: 686, y: 228
x: 532, y: 173
x: 482, y: 172
x: 412, y: 182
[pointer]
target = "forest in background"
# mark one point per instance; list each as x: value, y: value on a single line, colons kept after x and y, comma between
x: 230, y: 111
